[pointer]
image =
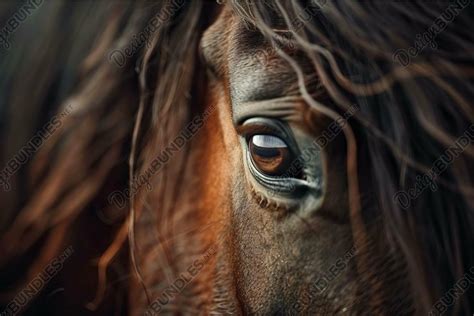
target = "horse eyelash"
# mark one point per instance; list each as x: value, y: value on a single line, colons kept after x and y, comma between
x: 266, y: 203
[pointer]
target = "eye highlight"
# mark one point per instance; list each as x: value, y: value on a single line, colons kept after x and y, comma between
x: 270, y: 154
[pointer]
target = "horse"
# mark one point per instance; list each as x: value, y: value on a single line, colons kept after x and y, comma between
x: 243, y: 158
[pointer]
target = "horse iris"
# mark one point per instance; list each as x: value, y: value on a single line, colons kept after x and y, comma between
x: 270, y: 154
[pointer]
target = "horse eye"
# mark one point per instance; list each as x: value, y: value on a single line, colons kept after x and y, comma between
x: 270, y: 154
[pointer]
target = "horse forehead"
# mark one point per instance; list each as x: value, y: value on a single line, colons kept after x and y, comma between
x: 242, y: 57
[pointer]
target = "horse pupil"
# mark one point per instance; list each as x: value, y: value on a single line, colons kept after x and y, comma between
x: 266, y: 152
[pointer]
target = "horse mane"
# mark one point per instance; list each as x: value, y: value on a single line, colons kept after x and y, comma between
x: 93, y: 153
x: 123, y: 117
